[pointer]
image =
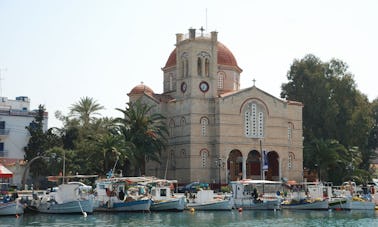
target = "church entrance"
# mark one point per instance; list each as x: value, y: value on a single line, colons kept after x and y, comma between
x: 273, y: 167
x: 235, y: 165
x: 253, y: 165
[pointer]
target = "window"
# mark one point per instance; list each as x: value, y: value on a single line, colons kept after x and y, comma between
x: 199, y: 67
x: 235, y: 82
x: 171, y: 127
x: 254, y: 120
x: 163, y: 192
x: 2, y: 152
x: 204, y: 124
x: 207, y: 66
x: 170, y: 81
x: 204, y: 155
x: 184, y: 65
x: 221, y: 77
x: 2, y: 124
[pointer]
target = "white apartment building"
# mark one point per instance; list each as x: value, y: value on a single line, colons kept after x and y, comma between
x: 15, y: 115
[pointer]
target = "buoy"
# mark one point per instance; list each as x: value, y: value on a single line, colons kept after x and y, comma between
x: 240, y: 209
x: 17, y: 216
x: 85, y: 214
x: 192, y: 209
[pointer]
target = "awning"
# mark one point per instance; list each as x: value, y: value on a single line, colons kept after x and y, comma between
x: 4, y: 172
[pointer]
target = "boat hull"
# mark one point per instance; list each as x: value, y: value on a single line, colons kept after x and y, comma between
x: 177, y: 204
x: 11, y: 208
x: 318, y: 205
x: 347, y: 204
x: 71, y: 207
x: 212, y: 205
x: 250, y: 204
x: 130, y: 206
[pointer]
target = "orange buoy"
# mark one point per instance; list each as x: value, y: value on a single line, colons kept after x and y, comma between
x: 192, y: 209
x: 240, y: 209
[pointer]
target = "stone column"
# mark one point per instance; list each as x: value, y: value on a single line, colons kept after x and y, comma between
x: 244, y: 167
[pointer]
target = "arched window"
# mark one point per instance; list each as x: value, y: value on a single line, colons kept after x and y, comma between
x: 221, y: 77
x: 207, y: 67
x: 204, y: 123
x: 184, y: 65
x: 170, y: 81
x: 204, y: 156
x: 182, y: 124
x: 182, y: 69
x: 199, y: 66
x: 203, y: 64
x: 171, y: 127
x: 254, y: 120
x: 235, y: 82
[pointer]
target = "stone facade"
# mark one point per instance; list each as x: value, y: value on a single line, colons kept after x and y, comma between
x: 219, y: 132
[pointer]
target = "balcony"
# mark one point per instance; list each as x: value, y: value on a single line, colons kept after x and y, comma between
x: 4, y: 153
x: 4, y: 132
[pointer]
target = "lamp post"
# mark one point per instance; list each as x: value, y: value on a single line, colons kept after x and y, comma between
x: 219, y: 163
x: 317, y: 170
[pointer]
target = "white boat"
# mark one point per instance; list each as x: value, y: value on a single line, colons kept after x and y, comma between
x: 207, y: 200
x: 256, y: 194
x: 11, y: 207
x: 121, y: 194
x: 162, y: 197
x: 345, y: 199
x: 68, y: 198
x: 355, y: 203
x: 307, y: 196
x: 305, y: 205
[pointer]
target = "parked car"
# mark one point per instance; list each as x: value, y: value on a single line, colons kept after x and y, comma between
x: 192, y: 187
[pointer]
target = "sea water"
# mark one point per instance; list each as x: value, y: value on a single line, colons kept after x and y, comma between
x: 201, y: 218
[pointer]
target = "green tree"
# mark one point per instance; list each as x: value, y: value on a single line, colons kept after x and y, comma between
x: 85, y: 109
x: 39, y: 142
x: 146, y: 130
x: 334, y: 110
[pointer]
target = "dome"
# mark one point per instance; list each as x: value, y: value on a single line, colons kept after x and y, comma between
x: 225, y: 57
x: 141, y: 89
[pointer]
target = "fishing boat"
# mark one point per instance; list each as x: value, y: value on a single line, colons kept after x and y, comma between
x: 64, y: 199
x: 206, y: 199
x: 347, y: 197
x: 122, y: 194
x: 256, y: 194
x: 9, y: 205
x: 162, y: 195
x: 307, y: 196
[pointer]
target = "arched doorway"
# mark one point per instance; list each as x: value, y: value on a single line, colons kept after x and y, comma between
x: 273, y: 163
x: 235, y: 165
x: 253, y: 165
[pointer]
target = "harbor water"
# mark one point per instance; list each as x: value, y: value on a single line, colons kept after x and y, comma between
x: 201, y: 218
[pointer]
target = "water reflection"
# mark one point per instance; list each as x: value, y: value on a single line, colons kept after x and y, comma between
x: 201, y: 218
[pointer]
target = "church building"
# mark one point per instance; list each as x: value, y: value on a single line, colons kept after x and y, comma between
x: 218, y: 132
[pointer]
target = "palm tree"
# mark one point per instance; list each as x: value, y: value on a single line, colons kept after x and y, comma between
x: 328, y: 157
x: 114, y: 148
x: 84, y: 109
x: 146, y: 130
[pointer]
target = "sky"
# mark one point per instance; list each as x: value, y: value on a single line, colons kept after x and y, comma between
x: 58, y: 51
